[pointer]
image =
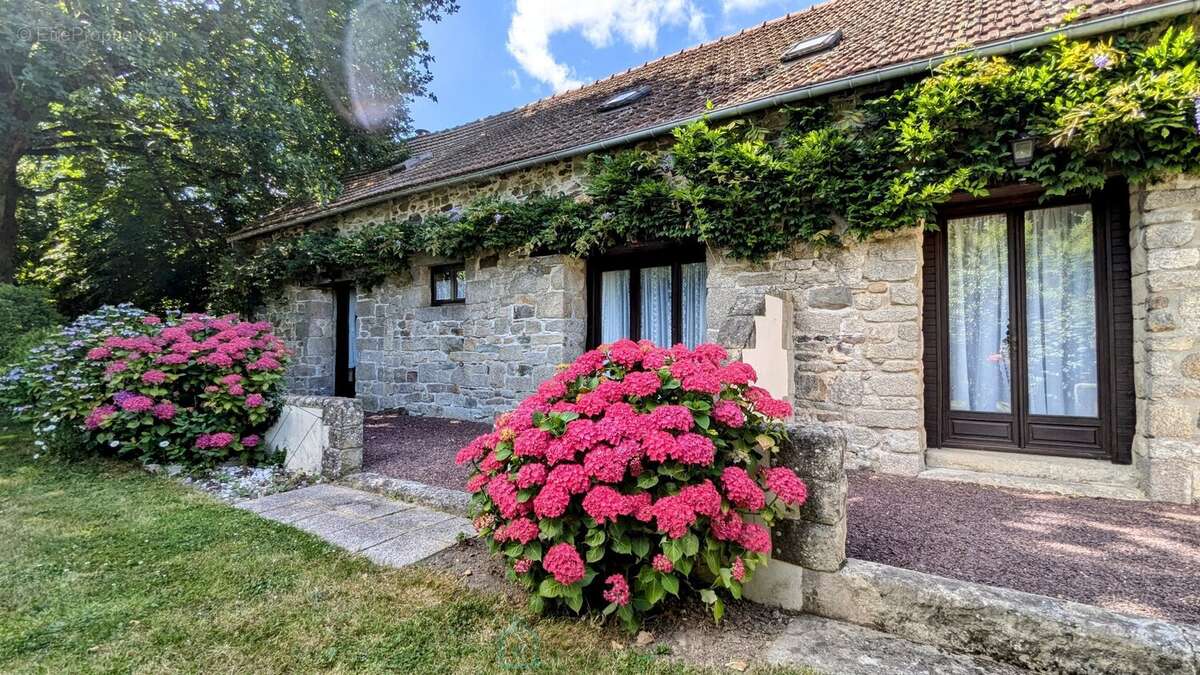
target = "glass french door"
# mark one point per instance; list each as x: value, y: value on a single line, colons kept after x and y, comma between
x: 1023, y: 336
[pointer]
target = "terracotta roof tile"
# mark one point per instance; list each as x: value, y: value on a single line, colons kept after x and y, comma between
x: 729, y: 71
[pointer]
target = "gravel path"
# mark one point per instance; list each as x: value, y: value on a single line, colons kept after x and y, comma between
x: 417, y: 448
x: 1135, y: 557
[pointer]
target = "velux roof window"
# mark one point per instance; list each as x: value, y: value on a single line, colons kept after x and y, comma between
x: 812, y: 45
x: 624, y: 98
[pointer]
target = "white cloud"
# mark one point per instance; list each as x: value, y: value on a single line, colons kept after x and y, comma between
x: 516, y: 78
x: 635, y: 22
x: 731, y: 6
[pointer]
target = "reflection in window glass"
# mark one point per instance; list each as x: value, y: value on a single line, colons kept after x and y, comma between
x: 980, y: 363
x: 1060, y: 312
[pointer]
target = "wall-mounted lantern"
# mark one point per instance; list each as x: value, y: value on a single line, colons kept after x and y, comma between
x: 1022, y: 150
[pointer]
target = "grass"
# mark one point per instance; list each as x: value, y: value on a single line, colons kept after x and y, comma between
x: 104, y: 568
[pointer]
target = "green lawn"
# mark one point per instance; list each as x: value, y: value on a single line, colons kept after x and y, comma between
x: 104, y: 568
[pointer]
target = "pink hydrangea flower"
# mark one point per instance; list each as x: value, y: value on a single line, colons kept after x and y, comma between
x: 641, y: 383
x: 164, y: 410
x: 605, y: 504
x: 531, y: 443
x: 151, y: 320
x: 618, y: 590
x: 136, y: 404
x: 220, y: 439
x: 606, y: 464
x: 755, y: 538
x: 552, y: 389
x: 563, y: 562
x: 703, y: 498
x: 704, y: 383
x: 570, y: 477
x: 171, y: 359
x: 98, y: 353
x: 504, y: 494
x: 695, y: 449
x: 730, y: 414
x: 671, y: 418
x: 231, y: 379
x: 738, y: 373
x: 739, y: 569
x: 530, y: 475
x: 659, y: 445
x: 154, y: 377
x: 254, y: 400
x: 727, y: 526
x: 250, y: 441
x: 625, y: 353
x: 116, y: 367
x: 216, y: 359
x: 551, y: 502
x: 673, y: 515
x: 522, y: 566
x: 523, y: 530
x: 663, y: 564
x: 741, y: 489
x: 236, y: 390
x: 786, y: 485
x: 476, y: 483
x: 773, y: 408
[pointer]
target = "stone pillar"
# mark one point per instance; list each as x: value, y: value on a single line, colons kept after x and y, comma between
x: 1165, y: 248
x: 304, y: 320
x: 816, y: 539
x: 319, y: 435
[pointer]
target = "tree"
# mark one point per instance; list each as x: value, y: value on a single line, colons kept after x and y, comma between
x: 139, y: 133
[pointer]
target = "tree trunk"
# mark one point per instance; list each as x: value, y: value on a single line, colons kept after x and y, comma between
x: 9, y: 189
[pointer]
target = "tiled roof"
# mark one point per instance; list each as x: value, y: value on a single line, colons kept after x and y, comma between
x: 730, y: 71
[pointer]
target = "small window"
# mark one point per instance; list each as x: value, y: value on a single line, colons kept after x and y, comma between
x: 812, y: 45
x: 624, y: 98
x: 657, y: 294
x: 449, y: 284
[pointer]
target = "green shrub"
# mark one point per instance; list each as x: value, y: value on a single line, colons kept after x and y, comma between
x: 23, y: 310
x: 195, y: 389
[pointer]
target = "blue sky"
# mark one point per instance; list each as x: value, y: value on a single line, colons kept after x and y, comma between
x: 495, y: 55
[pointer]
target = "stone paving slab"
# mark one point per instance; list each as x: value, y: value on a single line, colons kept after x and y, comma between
x: 829, y: 646
x: 389, y: 532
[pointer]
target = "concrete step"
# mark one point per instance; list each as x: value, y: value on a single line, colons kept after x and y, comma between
x: 836, y: 648
x: 1065, y: 488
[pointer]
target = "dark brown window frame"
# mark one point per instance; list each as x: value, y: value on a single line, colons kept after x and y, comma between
x: 454, y: 298
x: 634, y: 258
x: 1059, y: 436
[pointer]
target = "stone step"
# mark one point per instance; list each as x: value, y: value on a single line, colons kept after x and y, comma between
x: 836, y: 648
x: 1057, y: 469
x: 1064, y: 488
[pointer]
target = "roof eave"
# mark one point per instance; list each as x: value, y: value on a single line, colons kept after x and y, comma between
x: 1105, y: 24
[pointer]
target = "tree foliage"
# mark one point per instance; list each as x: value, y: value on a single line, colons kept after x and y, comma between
x: 140, y: 133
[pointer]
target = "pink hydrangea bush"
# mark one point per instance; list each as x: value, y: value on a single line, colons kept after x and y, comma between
x: 635, y: 473
x: 189, y: 388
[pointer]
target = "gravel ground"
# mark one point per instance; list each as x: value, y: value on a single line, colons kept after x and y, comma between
x: 233, y: 483
x: 1134, y: 557
x: 417, y: 448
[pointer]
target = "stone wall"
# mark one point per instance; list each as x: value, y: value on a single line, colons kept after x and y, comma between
x: 856, y: 338
x: 304, y: 320
x: 1165, y: 246
x: 522, y: 317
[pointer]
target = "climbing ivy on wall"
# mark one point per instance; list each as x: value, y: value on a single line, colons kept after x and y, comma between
x: 1118, y: 105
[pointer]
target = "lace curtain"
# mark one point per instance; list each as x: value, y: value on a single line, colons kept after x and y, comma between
x: 977, y: 261
x: 1060, y: 321
x: 656, y: 305
x: 614, y: 305
x: 695, y: 294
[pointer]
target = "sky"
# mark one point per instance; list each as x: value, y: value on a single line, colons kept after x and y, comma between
x: 496, y: 55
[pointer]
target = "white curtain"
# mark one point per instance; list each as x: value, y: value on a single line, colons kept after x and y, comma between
x: 656, y: 305
x: 1060, y: 322
x: 695, y: 294
x: 980, y: 367
x: 614, y: 305
x: 442, y: 286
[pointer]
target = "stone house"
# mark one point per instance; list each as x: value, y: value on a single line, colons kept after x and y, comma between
x: 920, y: 383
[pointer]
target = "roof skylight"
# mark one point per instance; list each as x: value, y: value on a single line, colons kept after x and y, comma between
x: 624, y: 98
x: 812, y: 45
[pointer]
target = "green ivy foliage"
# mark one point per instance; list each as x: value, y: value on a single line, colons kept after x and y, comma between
x: 1118, y: 105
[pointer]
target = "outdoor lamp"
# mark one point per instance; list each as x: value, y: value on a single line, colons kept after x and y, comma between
x: 1022, y: 150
